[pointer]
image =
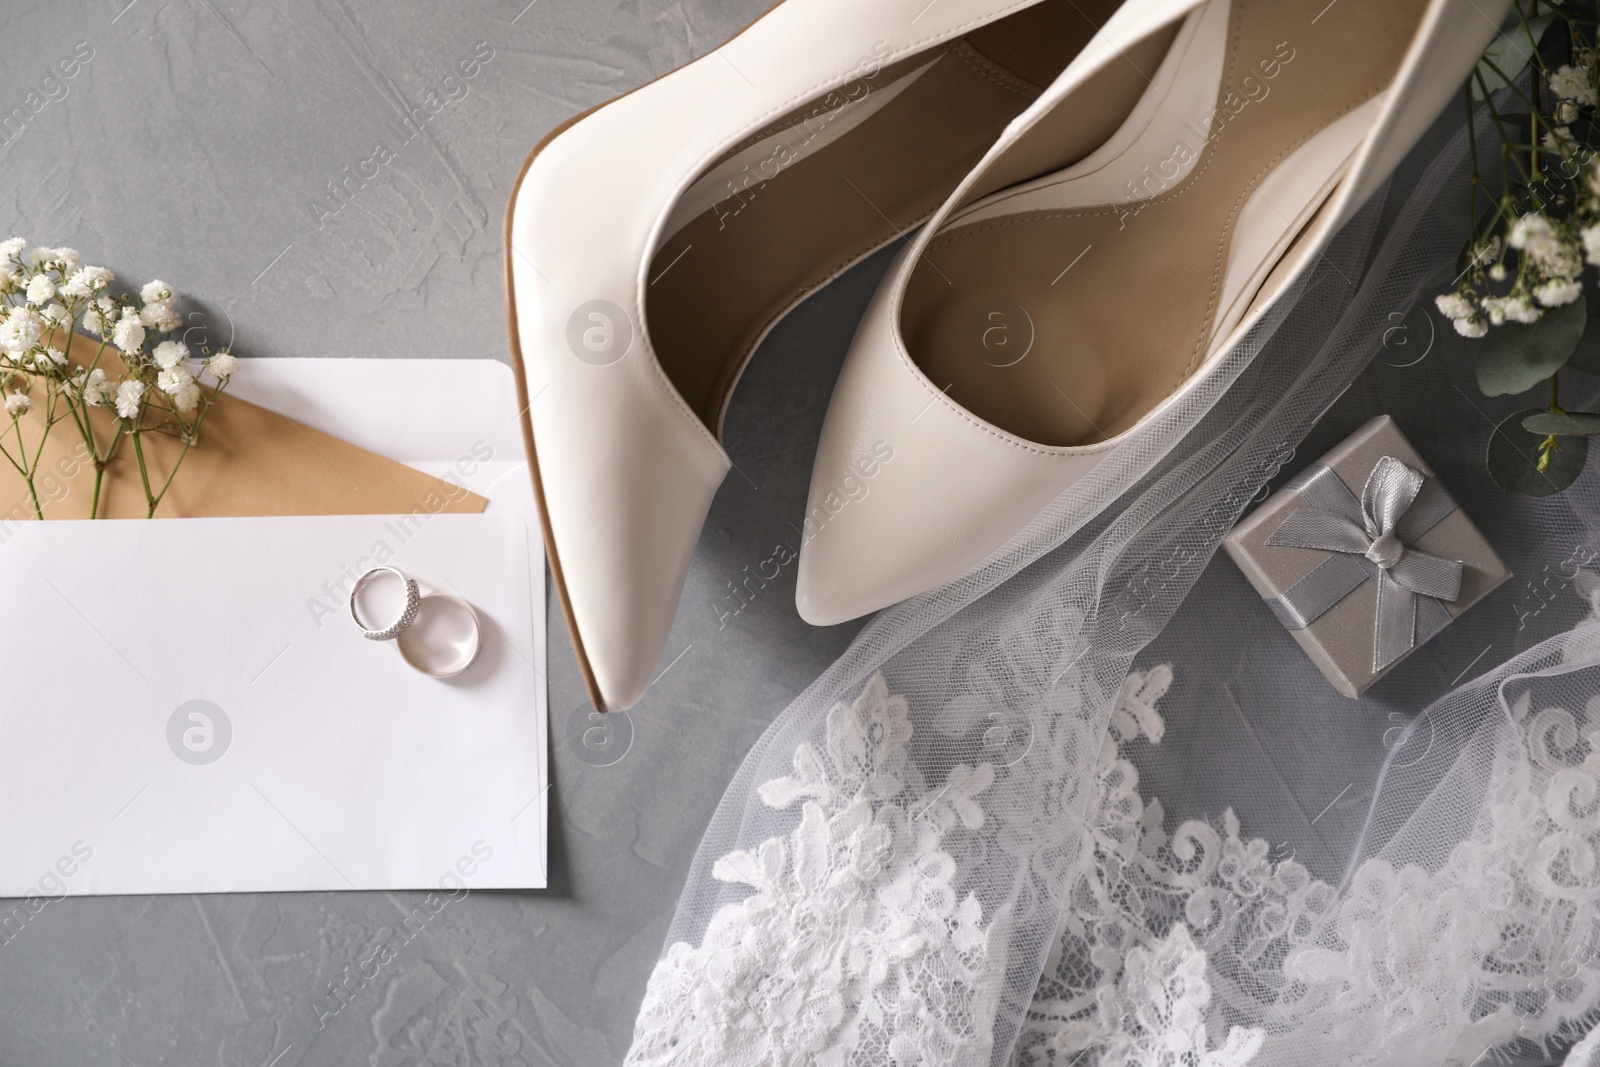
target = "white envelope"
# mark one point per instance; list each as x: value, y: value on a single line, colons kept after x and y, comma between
x: 318, y: 760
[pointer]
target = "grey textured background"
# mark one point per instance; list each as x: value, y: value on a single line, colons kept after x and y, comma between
x: 197, y: 145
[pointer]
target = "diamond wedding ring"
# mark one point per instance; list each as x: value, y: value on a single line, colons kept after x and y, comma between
x: 408, y: 614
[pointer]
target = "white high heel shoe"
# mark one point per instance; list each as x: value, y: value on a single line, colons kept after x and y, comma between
x: 1036, y: 323
x: 653, y: 242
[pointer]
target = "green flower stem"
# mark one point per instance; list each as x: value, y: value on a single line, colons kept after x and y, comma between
x: 1508, y: 147
x: 79, y: 416
x: 23, y: 468
x: 1551, y: 444
x: 144, y: 471
x: 1506, y: 156
x: 1536, y: 105
x: 4, y: 451
x: 189, y: 441
x: 1509, y: 84
x: 83, y: 418
x: 13, y: 462
x: 100, y: 465
x: 1472, y: 161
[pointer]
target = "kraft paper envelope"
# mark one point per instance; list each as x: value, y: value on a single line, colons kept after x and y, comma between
x: 188, y: 709
x: 252, y: 459
x: 467, y: 433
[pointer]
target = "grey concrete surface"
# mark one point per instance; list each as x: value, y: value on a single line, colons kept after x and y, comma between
x: 198, y: 142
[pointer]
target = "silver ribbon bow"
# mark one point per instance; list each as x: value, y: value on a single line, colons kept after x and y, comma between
x: 1370, y: 540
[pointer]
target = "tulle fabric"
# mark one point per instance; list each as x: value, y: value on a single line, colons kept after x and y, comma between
x: 1079, y: 808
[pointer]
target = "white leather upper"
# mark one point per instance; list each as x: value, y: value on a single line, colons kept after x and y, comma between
x: 958, y: 487
x: 951, y: 481
x: 628, y: 470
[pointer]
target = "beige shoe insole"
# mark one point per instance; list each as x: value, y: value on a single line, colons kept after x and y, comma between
x: 795, y: 214
x: 1108, y: 308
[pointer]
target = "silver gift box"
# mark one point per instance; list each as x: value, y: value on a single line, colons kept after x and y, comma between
x: 1364, y: 556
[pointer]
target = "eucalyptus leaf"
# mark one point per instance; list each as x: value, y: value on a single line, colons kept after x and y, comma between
x: 1563, y: 423
x: 1513, y: 458
x: 1510, y: 52
x: 1515, y: 357
x: 1586, y: 357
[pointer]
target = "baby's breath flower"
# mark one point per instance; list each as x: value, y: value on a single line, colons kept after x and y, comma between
x: 1463, y: 315
x: 86, y: 281
x: 1566, y: 112
x: 1519, y: 308
x: 1572, y: 83
x: 46, y: 293
x: 1557, y: 292
x: 97, y: 391
x: 1590, y: 236
x: 129, y: 393
x: 1531, y: 231
x: 40, y: 289
x: 174, y: 380
x: 160, y: 317
x: 21, y: 330
x: 169, y: 354
x: 97, y: 318
x: 187, y: 398
x: 222, y: 365
x: 1544, y: 243
x: 1514, y: 308
x: 1498, y: 272
x: 1453, y: 306
x: 1560, y: 140
x: 129, y: 332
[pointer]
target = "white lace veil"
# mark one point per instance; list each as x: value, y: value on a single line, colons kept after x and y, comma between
x: 1083, y: 807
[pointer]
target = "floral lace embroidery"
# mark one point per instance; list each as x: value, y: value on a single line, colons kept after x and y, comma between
x: 1496, y: 946
x: 1115, y: 991
x: 852, y: 947
x: 1183, y: 949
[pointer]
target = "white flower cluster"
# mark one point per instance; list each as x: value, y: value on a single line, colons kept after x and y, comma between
x: 1541, y: 259
x: 1576, y: 84
x: 56, y: 292
x: 141, y: 375
x: 1574, y: 90
x: 1549, y: 258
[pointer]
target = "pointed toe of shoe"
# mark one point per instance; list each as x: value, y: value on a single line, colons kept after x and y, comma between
x: 909, y: 491
x: 823, y: 593
x: 621, y: 673
x: 621, y: 543
x: 927, y: 513
x: 624, y: 470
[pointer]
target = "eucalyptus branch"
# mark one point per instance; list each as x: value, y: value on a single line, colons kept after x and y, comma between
x: 1522, y: 287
